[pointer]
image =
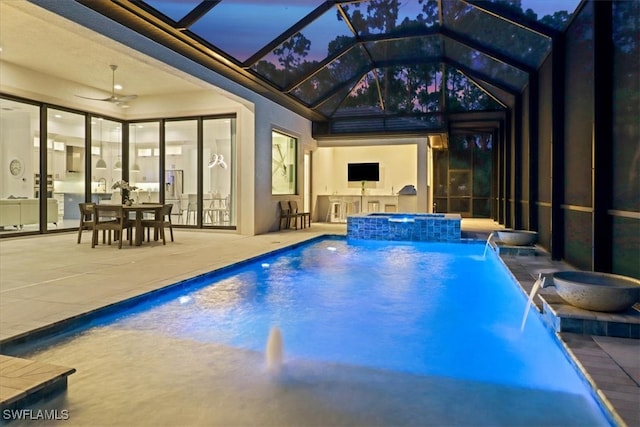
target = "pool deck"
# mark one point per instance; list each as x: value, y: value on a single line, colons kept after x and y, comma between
x: 47, y: 280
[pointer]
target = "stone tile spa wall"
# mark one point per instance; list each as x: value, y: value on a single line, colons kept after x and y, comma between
x: 405, y: 227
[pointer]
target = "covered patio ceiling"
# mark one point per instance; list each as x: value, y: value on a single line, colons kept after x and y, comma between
x: 361, y: 66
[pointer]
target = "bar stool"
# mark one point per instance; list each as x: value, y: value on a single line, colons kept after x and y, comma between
x: 335, y: 211
x: 351, y: 207
x: 373, y: 206
x: 390, y: 208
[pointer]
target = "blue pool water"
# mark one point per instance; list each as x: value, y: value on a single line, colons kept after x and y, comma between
x: 433, y: 314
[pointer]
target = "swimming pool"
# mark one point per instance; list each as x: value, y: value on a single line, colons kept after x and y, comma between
x: 374, y: 333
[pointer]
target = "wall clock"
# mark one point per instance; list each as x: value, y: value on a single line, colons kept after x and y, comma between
x: 16, y: 168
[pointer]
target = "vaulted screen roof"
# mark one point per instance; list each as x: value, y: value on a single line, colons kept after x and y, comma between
x: 401, y: 64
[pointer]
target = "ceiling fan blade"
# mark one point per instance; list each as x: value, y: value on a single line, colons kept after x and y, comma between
x: 118, y: 100
x: 124, y: 98
x: 94, y: 99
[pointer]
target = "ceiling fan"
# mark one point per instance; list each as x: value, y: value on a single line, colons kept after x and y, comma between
x: 120, y: 100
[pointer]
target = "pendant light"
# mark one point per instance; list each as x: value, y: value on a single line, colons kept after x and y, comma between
x: 135, y: 167
x: 101, y: 164
x: 118, y: 165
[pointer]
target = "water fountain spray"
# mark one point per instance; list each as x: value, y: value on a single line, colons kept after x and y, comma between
x: 274, y: 351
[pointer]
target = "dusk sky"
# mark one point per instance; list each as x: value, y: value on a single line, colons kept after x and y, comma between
x: 549, y: 7
x: 242, y: 27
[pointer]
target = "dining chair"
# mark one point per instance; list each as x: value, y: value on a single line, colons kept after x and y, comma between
x: 183, y: 203
x: 111, y: 218
x: 286, y: 215
x: 159, y: 223
x: 86, y: 220
x: 192, y: 208
x: 208, y: 201
x: 304, y: 216
x: 218, y: 210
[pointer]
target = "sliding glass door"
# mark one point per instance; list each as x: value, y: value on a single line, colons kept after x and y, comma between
x: 144, y: 161
x: 20, y: 166
x: 85, y: 155
x: 200, y: 171
x: 218, y: 154
x: 64, y: 180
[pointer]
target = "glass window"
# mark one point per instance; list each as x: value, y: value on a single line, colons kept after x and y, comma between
x: 283, y: 164
x: 65, y: 177
x: 106, y: 159
x: 218, y: 153
x: 144, y: 161
x: 236, y: 17
x: 181, y: 174
x: 19, y: 157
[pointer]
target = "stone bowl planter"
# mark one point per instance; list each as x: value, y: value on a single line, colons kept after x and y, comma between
x: 597, y: 291
x: 517, y: 237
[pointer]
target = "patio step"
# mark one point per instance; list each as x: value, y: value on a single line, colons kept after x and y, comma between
x: 23, y: 382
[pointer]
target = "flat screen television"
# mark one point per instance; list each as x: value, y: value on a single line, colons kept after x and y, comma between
x: 363, y: 172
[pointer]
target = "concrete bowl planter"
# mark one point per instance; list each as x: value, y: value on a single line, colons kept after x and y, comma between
x: 597, y: 291
x: 517, y: 237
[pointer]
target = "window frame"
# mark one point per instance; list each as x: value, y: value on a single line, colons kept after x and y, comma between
x: 284, y: 163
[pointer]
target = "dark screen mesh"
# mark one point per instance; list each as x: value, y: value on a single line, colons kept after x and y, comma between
x: 626, y: 247
x: 523, y: 167
x: 544, y: 133
x: 579, y: 108
x: 578, y: 134
x: 626, y: 104
x: 544, y: 154
x: 577, y: 239
x: 626, y: 137
x: 544, y: 226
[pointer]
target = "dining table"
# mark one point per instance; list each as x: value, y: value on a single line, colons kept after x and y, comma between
x: 140, y: 209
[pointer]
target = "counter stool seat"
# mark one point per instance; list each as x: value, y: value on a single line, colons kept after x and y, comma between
x: 335, y: 213
x: 373, y: 206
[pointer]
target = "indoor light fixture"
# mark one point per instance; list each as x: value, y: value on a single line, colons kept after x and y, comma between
x: 135, y: 167
x: 217, y: 160
x: 101, y: 164
x: 118, y: 164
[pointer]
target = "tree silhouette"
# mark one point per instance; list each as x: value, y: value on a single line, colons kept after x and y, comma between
x: 410, y: 78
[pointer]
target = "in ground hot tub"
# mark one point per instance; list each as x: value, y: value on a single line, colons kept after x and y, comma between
x: 416, y: 227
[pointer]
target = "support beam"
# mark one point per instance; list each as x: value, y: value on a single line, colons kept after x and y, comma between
x: 602, y: 148
x: 42, y: 164
x: 516, y: 162
x: 557, y: 147
x: 506, y: 169
x: 534, y: 136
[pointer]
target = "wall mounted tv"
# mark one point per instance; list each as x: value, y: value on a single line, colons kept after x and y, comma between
x: 363, y: 172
